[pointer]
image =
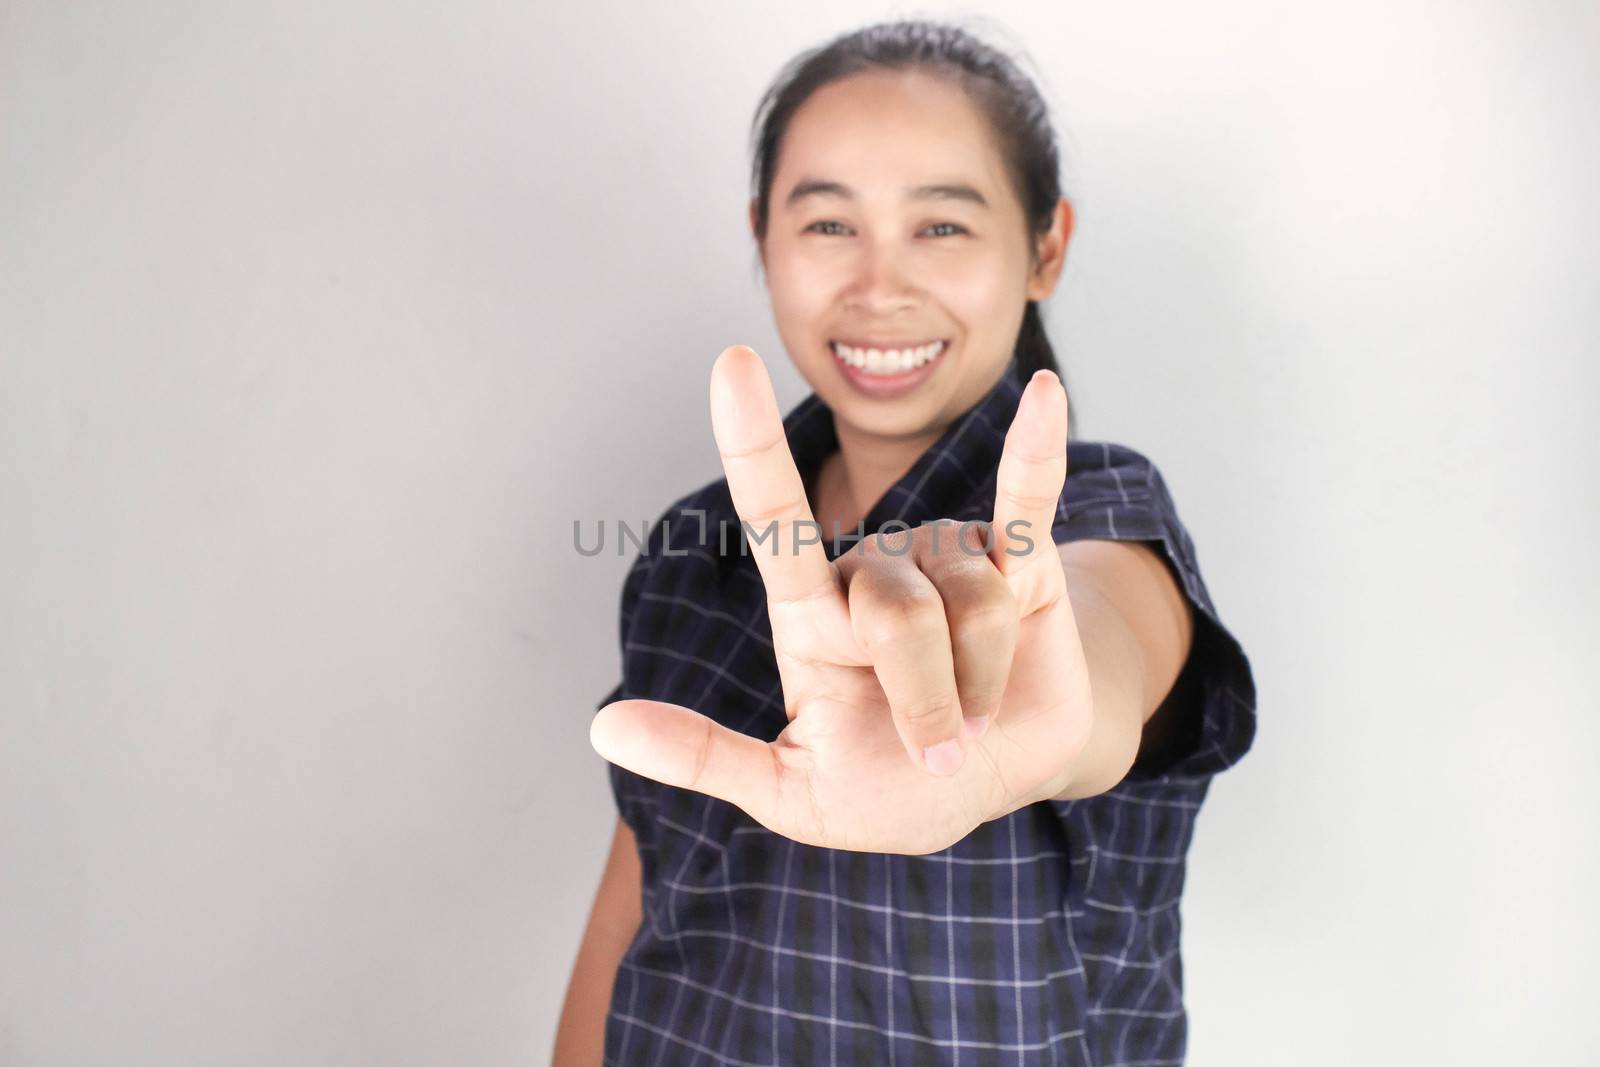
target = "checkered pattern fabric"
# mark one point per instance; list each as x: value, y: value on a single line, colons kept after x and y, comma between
x: 1049, y: 936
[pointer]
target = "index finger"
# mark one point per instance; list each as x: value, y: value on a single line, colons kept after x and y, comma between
x: 1033, y: 471
x: 766, y: 487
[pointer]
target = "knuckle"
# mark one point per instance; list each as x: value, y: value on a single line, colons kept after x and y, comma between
x: 993, y: 619
x: 768, y: 512
x: 898, y: 624
x: 935, y: 708
x: 890, y: 544
x: 702, y: 754
x: 982, y: 698
x: 1028, y: 501
x: 952, y: 547
x: 943, y: 533
x: 906, y: 617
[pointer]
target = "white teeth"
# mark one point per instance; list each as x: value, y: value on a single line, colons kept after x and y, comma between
x: 887, y: 360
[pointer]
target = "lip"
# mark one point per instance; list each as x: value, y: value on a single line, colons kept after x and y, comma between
x: 883, y: 344
x: 887, y: 386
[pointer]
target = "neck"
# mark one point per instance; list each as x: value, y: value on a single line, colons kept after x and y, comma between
x: 856, y: 477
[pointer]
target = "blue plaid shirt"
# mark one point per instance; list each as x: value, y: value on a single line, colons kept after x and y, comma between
x: 1047, y: 936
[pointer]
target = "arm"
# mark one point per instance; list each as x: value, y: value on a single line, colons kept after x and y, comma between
x: 613, y: 921
x: 1136, y: 629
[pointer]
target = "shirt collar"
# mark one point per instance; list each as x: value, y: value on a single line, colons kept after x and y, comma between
x: 954, y: 473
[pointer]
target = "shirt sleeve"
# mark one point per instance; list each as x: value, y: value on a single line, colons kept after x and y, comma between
x: 1115, y: 493
x: 630, y: 599
x: 632, y: 587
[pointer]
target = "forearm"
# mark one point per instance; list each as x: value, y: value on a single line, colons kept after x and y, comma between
x: 580, y: 1035
x: 1116, y: 682
x: 614, y: 919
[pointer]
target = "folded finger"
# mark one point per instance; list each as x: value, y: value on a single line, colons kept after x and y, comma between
x: 897, y: 615
x: 980, y: 612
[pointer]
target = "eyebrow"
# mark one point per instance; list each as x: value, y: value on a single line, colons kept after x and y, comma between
x: 938, y: 191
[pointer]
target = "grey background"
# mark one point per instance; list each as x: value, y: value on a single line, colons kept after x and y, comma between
x: 321, y: 323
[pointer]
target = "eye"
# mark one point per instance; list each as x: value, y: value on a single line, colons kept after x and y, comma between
x: 950, y: 229
x: 823, y: 227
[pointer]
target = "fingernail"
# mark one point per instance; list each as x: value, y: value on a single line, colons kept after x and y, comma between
x: 973, y: 726
x: 945, y: 758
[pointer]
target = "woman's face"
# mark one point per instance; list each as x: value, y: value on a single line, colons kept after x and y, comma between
x: 896, y: 252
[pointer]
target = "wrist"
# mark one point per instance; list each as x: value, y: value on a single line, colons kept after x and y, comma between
x: 1058, y: 781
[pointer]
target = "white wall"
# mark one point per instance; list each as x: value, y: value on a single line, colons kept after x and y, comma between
x: 319, y: 327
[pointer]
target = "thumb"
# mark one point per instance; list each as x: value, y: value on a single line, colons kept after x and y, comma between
x: 676, y: 746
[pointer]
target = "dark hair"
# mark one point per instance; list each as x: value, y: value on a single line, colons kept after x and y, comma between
x: 1006, y: 95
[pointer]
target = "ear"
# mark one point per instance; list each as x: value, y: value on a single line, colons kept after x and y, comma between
x: 1052, y: 252
x: 761, y: 246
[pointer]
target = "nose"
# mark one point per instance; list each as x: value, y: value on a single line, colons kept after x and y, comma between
x: 880, y: 284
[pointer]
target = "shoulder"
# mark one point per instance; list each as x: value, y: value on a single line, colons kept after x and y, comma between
x: 1116, y: 493
x: 1111, y: 471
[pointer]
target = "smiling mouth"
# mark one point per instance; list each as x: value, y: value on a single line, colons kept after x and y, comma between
x: 885, y: 360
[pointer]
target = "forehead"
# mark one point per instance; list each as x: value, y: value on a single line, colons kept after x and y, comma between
x: 887, y: 130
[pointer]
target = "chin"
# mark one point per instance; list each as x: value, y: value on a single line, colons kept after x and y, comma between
x: 907, y: 416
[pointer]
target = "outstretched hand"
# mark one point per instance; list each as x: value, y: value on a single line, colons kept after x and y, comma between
x: 933, y: 678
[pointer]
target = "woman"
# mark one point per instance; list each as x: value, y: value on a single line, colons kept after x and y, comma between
x: 924, y: 797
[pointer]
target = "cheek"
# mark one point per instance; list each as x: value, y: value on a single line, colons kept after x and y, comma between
x: 981, y: 287
x: 797, y: 286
